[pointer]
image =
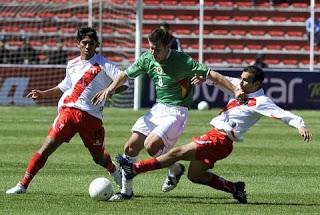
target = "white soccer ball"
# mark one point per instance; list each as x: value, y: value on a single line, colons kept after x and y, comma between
x: 203, y: 105
x: 100, y: 189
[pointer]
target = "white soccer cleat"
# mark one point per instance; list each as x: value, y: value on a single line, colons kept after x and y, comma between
x: 18, y: 189
x: 117, y: 176
x: 172, y: 181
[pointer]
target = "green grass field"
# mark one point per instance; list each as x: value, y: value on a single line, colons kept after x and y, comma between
x: 282, y: 172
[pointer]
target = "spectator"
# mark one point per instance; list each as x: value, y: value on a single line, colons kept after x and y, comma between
x: 5, y: 54
x: 174, y: 42
x: 316, y: 30
x: 259, y: 61
x: 26, y: 54
x: 58, y: 56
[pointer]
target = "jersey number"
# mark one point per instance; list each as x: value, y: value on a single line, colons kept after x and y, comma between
x: 160, y: 82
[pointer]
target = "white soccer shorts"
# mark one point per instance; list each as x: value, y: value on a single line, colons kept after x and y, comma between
x: 167, y: 121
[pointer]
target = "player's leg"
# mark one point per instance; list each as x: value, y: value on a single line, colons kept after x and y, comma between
x: 211, y: 147
x: 199, y: 173
x: 62, y: 130
x: 131, y: 151
x: 186, y: 152
x: 36, y: 162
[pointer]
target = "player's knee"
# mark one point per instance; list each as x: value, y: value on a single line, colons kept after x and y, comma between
x: 151, y: 150
x: 194, y: 177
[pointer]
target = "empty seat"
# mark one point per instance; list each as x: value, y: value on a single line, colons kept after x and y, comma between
x: 30, y: 29
x: 224, y: 3
x: 217, y: 46
x: 257, y: 32
x: 292, y: 47
x: 222, y: 18
x: 273, y: 47
x: 278, y: 18
x: 254, y: 47
x: 297, y: 19
x: 49, y: 29
x: 236, y: 46
x: 238, y: 32
x: 45, y: 15
x: 169, y: 2
x: 220, y: 32
x: 241, y: 18
x: 27, y: 14
x: 290, y: 62
x: 166, y: 17
x: 299, y: 5
x: 64, y: 15
x: 183, y: 31
x: 11, y: 29
x: 185, y: 17
x: 152, y: 2
x: 67, y: 29
x: 244, y: 4
x: 295, y: 33
x: 234, y: 61
x: 188, y: 3
x: 272, y: 61
x: 276, y: 33
x: 151, y: 17
x: 259, y: 18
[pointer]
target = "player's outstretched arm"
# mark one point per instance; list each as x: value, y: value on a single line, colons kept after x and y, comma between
x: 219, y: 79
x: 108, y: 92
x: 305, y: 133
x: 40, y: 94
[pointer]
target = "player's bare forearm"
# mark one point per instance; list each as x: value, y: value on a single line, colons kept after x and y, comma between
x: 114, y: 87
x: 221, y: 80
x: 40, y: 94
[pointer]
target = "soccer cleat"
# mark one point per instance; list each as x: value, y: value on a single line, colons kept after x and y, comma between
x: 127, y: 166
x: 172, y: 181
x: 18, y: 189
x: 117, y: 175
x: 240, y: 192
x: 121, y: 197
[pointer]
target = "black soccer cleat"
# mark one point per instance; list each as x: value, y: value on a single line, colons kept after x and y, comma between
x: 121, y: 197
x: 127, y: 166
x: 240, y: 192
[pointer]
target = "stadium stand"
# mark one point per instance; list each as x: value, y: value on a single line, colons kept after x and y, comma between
x: 234, y: 31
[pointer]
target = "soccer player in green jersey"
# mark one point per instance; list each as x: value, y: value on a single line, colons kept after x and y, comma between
x: 159, y: 129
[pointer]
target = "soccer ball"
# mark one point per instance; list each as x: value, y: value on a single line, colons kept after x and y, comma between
x: 100, y: 189
x: 203, y: 105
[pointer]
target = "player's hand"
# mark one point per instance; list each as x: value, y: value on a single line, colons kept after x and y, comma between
x: 305, y: 133
x: 197, y: 79
x: 240, y: 95
x: 35, y: 94
x: 102, y: 96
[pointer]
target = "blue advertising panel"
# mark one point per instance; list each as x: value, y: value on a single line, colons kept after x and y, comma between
x: 289, y: 90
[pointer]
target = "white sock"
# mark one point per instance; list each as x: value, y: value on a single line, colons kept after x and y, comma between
x: 127, y: 185
x: 174, y: 169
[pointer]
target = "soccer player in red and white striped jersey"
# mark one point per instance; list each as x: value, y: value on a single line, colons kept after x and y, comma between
x: 85, y: 76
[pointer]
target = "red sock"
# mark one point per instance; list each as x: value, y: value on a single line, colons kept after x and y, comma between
x: 147, y: 165
x: 108, y: 164
x: 35, y: 164
x: 220, y: 183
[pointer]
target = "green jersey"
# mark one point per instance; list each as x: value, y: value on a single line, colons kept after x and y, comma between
x: 171, y: 77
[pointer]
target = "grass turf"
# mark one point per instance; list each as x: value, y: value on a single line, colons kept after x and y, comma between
x: 280, y: 170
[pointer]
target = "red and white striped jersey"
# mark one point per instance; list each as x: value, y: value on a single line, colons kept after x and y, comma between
x: 85, y: 78
x: 236, y: 118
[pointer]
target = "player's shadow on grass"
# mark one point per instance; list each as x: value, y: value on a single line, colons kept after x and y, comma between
x: 215, y: 200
